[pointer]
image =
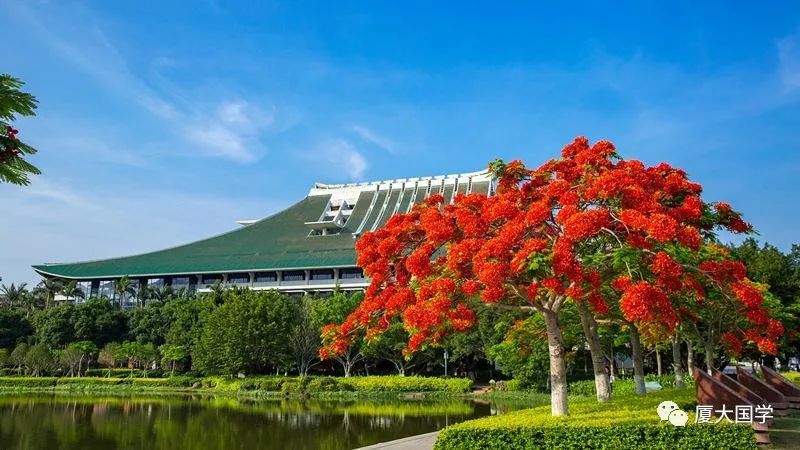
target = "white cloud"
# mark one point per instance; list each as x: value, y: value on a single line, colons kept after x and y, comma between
x: 51, y: 222
x: 374, y: 138
x: 789, y: 60
x: 232, y: 131
x: 229, y: 128
x: 335, y: 157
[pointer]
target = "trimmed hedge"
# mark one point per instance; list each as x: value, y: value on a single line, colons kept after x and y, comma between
x: 794, y: 377
x: 626, y: 385
x: 124, y: 373
x: 84, y: 383
x: 627, y: 421
x: 407, y: 384
x: 286, y: 385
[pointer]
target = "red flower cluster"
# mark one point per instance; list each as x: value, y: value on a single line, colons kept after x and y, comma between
x: 547, y: 233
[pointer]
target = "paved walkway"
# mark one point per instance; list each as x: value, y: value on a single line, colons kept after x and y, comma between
x: 418, y: 442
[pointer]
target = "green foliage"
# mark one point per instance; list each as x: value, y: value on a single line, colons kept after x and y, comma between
x: 794, y: 377
x: 149, y: 325
x: 17, y: 357
x: 55, y: 326
x: 14, y: 327
x: 13, y: 102
x: 97, y: 320
x: 627, y: 421
x: 247, y: 331
x: 91, y: 383
x: 5, y: 358
x: 39, y: 359
x: 407, y: 384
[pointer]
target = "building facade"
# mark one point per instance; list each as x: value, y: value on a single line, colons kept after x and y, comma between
x: 306, y: 248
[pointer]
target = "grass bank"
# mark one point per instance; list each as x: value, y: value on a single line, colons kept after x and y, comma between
x: 627, y: 421
x: 255, y: 387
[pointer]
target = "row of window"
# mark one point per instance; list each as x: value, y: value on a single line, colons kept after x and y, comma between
x: 107, y: 287
x: 241, y: 278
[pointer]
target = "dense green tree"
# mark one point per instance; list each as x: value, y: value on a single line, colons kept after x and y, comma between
x: 149, y: 324
x: 137, y: 355
x: 172, y: 355
x: 304, y: 339
x: 5, y: 358
x: 108, y: 356
x: 185, y: 318
x: 767, y: 264
x: 13, y: 103
x: 334, y: 310
x: 39, y: 359
x: 388, y: 347
x: 87, y: 351
x: 248, y: 332
x: 68, y: 360
x: 98, y: 321
x: 14, y: 327
x: 55, y: 327
x: 17, y: 357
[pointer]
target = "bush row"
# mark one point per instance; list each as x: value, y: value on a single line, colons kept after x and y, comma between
x: 83, y: 382
x: 287, y: 385
x: 627, y: 421
x: 794, y: 377
x: 626, y: 385
x: 655, y: 436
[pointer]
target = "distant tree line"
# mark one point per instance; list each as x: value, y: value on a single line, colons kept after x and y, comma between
x: 231, y: 331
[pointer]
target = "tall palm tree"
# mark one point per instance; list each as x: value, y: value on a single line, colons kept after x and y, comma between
x: 48, y: 288
x: 143, y: 294
x: 32, y: 301
x: 13, y: 295
x: 124, y: 286
x: 72, y: 291
x: 162, y: 293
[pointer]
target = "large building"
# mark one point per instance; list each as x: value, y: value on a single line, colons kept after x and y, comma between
x: 308, y: 247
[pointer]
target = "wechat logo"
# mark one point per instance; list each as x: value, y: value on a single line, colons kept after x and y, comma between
x: 669, y: 411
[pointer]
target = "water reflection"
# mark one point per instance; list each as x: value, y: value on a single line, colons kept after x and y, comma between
x: 205, y: 423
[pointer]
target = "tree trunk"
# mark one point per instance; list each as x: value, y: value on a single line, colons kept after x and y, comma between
x: 558, y: 367
x: 589, y: 325
x: 676, y: 361
x: 658, y: 362
x: 709, y: 353
x: 638, y: 360
x: 689, y: 357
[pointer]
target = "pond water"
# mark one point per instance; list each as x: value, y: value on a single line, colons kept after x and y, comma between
x: 205, y: 423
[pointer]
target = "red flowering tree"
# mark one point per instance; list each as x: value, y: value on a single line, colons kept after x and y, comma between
x: 577, y: 228
x: 13, y: 167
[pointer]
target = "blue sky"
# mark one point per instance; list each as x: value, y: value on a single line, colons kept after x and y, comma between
x: 161, y: 123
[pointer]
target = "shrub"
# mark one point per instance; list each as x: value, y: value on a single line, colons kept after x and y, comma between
x: 794, y: 377
x: 123, y: 373
x: 28, y: 382
x: 407, y: 384
x: 296, y: 387
x: 627, y: 421
x: 327, y: 384
x: 89, y: 382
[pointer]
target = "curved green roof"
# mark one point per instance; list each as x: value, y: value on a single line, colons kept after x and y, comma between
x: 280, y: 241
x: 284, y: 240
